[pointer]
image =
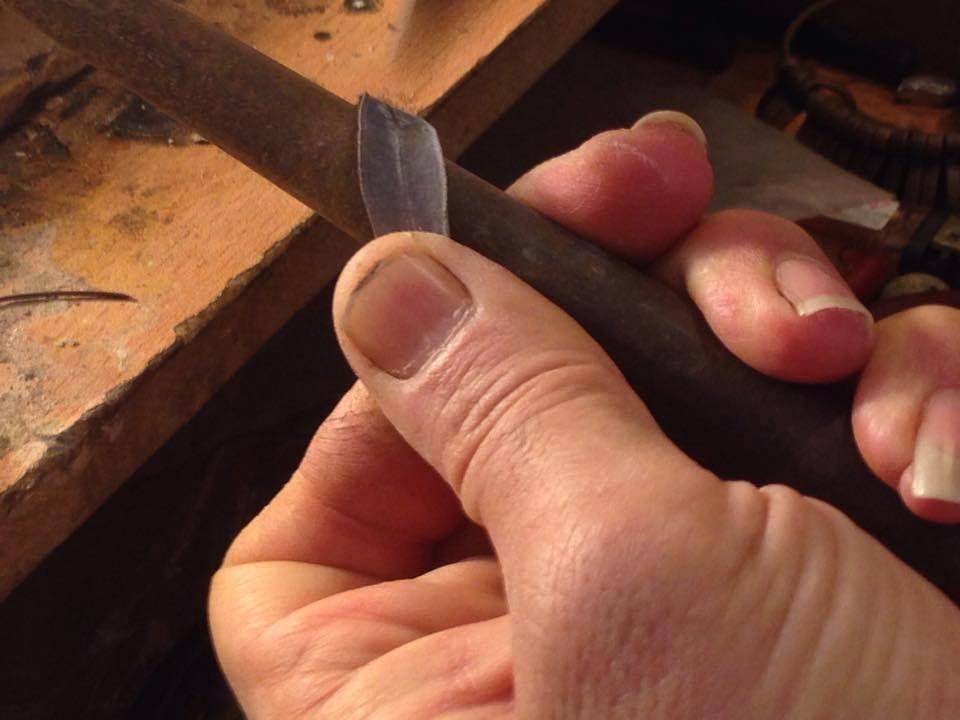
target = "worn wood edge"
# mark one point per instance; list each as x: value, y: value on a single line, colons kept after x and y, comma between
x: 103, y: 453
x: 502, y: 77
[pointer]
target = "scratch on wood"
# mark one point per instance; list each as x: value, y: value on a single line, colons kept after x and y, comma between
x: 64, y: 295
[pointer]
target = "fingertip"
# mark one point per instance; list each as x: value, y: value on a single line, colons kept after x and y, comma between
x: 931, y: 484
x: 906, y: 414
x: 822, y: 348
x: 634, y: 191
x: 827, y: 346
x: 679, y: 120
x: 772, y: 297
x: 943, y: 512
x: 821, y: 333
x: 884, y: 429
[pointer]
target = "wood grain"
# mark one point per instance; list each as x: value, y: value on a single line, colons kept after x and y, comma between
x: 90, y: 391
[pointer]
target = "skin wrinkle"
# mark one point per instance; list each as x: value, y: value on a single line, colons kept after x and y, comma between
x: 644, y: 158
x: 579, y: 590
x: 835, y: 618
x: 815, y: 613
x: 589, y: 163
x: 732, y: 313
x: 470, y: 680
x: 783, y: 518
x: 364, y: 530
x: 247, y: 643
x: 897, y: 605
x: 588, y: 186
x: 454, y: 638
x: 394, y: 536
x: 361, y: 607
x: 559, y: 573
x: 877, y: 660
x: 490, y: 436
x: 750, y: 511
x: 309, y: 619
x: 755, y: 506
x: 283, y: 675
x: 254, y: 633
x: 880, y: 648
x: 525, y: 378
x: 464, y: 676
x: 561, y: 610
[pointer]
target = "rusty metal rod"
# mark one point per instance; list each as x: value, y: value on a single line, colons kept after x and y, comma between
x: 727, y: 416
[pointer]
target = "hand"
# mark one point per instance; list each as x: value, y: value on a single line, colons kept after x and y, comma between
x: 627, y: 581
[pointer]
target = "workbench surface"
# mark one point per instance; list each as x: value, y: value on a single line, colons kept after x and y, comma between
x: 97, y: 191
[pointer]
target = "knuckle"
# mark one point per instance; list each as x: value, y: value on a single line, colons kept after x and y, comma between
x: 727, y: 542
x: 499, y: 410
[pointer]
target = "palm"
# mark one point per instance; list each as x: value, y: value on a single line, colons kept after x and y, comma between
x: 439, y: 645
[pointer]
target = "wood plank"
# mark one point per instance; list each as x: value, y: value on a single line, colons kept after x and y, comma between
x: 91, y: 390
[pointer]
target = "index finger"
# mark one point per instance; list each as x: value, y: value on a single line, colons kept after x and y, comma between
x: 634, y: 191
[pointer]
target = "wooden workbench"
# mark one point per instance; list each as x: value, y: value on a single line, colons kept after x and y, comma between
x: 100, y: 192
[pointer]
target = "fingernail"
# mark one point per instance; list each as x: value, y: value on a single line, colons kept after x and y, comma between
x: 811, y: 288
x: 936, y: 457
x: 404, y: 311
x: 676, y: 119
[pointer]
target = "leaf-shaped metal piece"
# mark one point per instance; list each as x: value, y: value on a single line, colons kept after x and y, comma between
x: 402, y: 173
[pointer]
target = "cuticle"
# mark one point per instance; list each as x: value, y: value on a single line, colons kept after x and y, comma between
x: 368, y: 278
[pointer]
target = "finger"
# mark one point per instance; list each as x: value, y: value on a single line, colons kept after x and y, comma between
x: 361, y: 501
x: 771, y: 296
x: 633, y: 191
x: 286, y: 662
x: 906, y: 415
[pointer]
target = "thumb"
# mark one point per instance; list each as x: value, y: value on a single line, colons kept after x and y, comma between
x: 497, y: 388
x: 636, y: 579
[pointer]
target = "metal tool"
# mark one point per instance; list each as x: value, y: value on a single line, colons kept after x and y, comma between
x: 727, y: 416
x: 402, y: 175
